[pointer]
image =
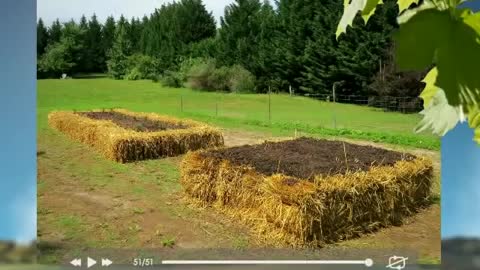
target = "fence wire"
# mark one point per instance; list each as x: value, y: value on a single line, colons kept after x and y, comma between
x: 295, y: 111
x: 388, y: 103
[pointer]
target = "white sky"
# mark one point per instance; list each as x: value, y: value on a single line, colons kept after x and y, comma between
x: 50, y: 10
x: 25, y: 207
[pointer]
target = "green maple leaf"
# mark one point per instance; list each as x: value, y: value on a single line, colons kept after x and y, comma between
x: 430, y: 89
x: 458, y: 61
x: 351, y: 9
x: 409, y: 13
x: 454, y: 49
x: 439, y: 116
x: 369, y: 9
x: 417, y: 41
x: 404, y: 4
x: 474, y: 121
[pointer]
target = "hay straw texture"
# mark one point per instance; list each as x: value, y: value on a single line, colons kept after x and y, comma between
x: 124, y: 145
x: 287, y: 211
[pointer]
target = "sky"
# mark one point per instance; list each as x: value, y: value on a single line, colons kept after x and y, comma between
x: 50, y: 10
x: 460, y: 183
x: 18, y: 169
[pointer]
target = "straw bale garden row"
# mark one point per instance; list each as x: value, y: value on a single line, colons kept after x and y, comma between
x: 300, y: 192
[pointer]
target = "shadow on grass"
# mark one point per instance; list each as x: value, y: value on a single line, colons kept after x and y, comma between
x: 89, y: 76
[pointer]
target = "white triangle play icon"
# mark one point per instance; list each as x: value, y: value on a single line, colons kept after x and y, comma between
x: 90, y: 262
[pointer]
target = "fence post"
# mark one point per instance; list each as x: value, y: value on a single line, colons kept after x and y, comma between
x: 269, y: 106
x: 333, y: 107
x: 216, y: 108
x: 181, y: 103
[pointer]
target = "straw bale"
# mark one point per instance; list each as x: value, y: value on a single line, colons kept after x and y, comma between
x: 125, y: 145
x: 288, y: 211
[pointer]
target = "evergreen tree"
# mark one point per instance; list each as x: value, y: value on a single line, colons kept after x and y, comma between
x: 135, y: 33
x: 93, y: 42
x: 292, y: 43
x: 312, y: 60
x: 73, y: 39
x: 173, y: 27
x: 123, y: 23
x: 55, y: 32
x: 83, y: 23
x: 238, y: 33
x: 266, y: 70
x: 293, y: 18
x: 120, y: 51
x: 42, y: 38
x: 108, y: 37
x: 193, y: 15
x: 249, y: 37
x: 85, y: 63
x: 160, y: 38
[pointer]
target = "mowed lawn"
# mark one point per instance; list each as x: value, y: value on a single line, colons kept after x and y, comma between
x: 87, y: 202
x: 287, y: 113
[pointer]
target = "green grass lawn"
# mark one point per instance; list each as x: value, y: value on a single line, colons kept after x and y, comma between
x: 235, y: 110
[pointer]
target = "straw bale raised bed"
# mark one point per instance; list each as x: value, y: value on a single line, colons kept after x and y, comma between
x: 308, y: 192
x: 125, y: 136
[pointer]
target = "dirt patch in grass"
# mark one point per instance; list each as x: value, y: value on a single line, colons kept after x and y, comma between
x: 139, y: 124
x: 421, y: 231
x: 307, y: 157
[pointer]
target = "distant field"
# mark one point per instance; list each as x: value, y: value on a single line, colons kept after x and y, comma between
x: 235, y: 110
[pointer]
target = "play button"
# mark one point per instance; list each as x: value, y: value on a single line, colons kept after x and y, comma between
x: 90, y: 262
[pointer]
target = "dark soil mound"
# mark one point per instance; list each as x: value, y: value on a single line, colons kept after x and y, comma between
x: 306, y: 157
x: 140, y: 124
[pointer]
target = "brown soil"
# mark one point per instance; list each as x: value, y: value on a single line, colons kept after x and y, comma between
x: 140, y: 124
x: 307, y: 157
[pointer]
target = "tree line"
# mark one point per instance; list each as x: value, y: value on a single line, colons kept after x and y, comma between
x: 257, y: 46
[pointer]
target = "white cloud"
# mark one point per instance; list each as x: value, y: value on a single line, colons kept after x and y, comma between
x: 24, y: 208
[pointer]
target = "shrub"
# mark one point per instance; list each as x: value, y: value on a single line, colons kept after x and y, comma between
x: 199, y: 75
x: 57, y: 59
x: 208, y: 47
x: 133, y: 75
x: 171, y: 79
x: 220, y: 79
x: 241, y: 80
x: 186, y: 65
x: 203, y: 74
x: 141, y: 67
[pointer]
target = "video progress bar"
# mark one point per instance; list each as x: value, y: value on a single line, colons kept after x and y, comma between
x: 366, y: 262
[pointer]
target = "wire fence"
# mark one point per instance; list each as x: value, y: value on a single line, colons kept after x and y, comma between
x: 295, y: 111
x: 388, y: 103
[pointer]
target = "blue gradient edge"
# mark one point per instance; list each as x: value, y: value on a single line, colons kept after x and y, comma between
x: 18, y: 125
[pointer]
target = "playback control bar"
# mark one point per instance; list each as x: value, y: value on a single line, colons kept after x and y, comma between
x: 77, y: 262
x: 366, y: 262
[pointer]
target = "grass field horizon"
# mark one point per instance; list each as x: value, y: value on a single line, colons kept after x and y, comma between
x: 288, y: 114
